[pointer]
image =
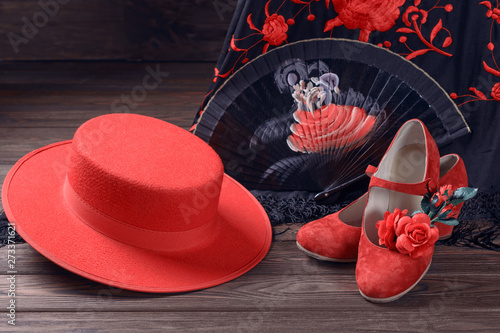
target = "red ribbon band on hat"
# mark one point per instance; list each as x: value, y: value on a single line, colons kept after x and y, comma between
x: 133, y: 235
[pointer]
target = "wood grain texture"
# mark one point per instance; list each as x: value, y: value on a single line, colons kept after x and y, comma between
x: 286, y: 285
x: 289, y: 260
x: 45, y: 103
x: 259, y: 319
x: 3, y: 172
x: 66, y: 95
x: 117, y: 30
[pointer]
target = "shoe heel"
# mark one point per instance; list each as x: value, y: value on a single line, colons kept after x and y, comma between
x: 452, y: 171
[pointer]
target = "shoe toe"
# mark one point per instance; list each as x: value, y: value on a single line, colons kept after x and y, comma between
x: 330, y: 238
x: 383, y: 275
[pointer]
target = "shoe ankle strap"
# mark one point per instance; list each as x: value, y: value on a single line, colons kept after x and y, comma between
x: 427, y: 185
x: 370, y: 170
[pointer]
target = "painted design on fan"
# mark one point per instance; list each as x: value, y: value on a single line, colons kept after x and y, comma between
x: 414, y: 18
x: 322, y: 125
x: 368, y: 16
x: 478, y: 95
x: 249, y: 120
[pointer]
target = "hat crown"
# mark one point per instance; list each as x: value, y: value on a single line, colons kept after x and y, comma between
x: 145, y: 172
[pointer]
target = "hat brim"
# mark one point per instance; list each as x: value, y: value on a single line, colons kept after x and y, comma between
x: 32, y: 196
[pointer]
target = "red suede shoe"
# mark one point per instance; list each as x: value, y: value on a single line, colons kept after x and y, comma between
x: 387, y: 270
x: 335, y: 237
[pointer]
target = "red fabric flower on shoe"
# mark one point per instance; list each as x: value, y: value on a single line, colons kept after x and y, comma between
x: 444, y: 194
x: 449, y: 211
x: 387, y: 228
x: 409, y: 235
x: 415, y: 236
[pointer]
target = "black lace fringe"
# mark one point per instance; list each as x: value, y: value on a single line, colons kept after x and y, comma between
x: 479, y: 222
x: 296, y: 209
x: 4, y: 232
x: 479, y: 218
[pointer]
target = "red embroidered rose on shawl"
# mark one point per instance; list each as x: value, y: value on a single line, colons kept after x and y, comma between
x: 368, y: 16
x: 495, y: 92
x: 275, y: 29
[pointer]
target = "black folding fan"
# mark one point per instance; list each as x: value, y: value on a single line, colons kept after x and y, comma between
x: 313, y: 114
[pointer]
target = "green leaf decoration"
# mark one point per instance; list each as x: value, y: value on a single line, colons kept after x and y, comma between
x: 443, y: 216
x: 464, y: 193
x: 433, y: 209
x: 456, y: 202
x: 434, y: 201
x: 470, y: 193
x: 416, y: 212
x: 426, y: 204
x: 452, y: 222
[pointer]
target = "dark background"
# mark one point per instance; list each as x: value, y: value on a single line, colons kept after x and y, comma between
x: 150, y: 30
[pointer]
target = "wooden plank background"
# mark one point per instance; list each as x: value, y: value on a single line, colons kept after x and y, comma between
x: 287, y: 292
x: 160, y: 30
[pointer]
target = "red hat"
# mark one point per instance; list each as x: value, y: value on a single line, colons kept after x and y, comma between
x: 137, y: 203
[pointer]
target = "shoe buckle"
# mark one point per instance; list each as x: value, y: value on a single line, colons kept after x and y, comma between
x: 432, y: 186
